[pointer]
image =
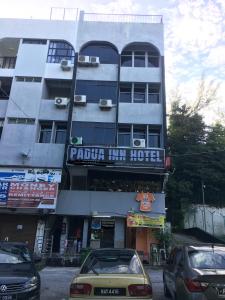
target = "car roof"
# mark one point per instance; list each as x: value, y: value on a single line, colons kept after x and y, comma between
x: 114, y: 250
x: 205, y: 246
x: 13, y: 243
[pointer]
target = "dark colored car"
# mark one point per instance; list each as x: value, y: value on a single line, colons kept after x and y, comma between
x: 19, y: 279
x: 195, y: 272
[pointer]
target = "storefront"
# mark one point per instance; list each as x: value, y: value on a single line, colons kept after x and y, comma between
x: 101, y: 219
x: 27, y: 200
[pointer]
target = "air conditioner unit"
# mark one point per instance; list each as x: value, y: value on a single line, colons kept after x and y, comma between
x: 61, y: 102
x: 83, y: 60
x: 105, y: 103
x: 80, y: 99
x: 139, y: 143
x: 66, y: 64
x: 76, y: 140
x: 94, y: 60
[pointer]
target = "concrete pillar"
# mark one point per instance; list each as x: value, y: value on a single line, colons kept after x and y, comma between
x: 119, y: 236
x: 85, y: 234
x: 64, y: 235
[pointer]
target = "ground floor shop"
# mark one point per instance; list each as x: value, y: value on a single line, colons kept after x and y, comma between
x: 19, y: 228
x: 77, y: 232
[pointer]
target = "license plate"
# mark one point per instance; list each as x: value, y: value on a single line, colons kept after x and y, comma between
x: 221, y: 291
x: 7, y: 297
x: 110, y: 292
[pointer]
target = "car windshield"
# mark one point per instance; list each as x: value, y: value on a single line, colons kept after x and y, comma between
x: 207, y: 259
x: 13, y: 254
x: 112, y: 262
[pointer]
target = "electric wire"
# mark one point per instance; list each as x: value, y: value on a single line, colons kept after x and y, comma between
x: 6, y: 94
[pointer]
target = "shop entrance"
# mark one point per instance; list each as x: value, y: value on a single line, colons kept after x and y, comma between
x: 107, y: 236
x: 75, y: 231
x: 102, y: 233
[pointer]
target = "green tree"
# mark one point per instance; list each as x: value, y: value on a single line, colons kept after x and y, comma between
x: 198, y: 154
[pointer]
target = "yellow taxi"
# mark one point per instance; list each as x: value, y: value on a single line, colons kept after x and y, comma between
x: 111, y: 274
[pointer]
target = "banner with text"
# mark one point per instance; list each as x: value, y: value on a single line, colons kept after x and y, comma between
x: 145, y: 157
x: 28, y: 194
x: 31, y: 175
x: 138, y: 220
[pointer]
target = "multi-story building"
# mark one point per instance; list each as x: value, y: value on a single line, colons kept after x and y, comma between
x: 85, y: 99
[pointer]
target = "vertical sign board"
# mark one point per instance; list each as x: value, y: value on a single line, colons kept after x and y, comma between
x: 4, y: 189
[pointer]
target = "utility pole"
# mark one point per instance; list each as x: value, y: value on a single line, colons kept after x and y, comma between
x: 203, y: 203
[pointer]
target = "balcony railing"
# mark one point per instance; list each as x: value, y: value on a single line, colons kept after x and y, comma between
x: 7, y: 62
x: 124, y: 18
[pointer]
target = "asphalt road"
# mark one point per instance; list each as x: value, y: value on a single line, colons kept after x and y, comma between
x: 55, y: 282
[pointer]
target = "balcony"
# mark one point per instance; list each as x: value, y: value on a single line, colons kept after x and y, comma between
x: 7, y: 62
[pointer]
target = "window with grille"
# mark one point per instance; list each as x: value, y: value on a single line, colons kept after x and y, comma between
x: 59, y: 50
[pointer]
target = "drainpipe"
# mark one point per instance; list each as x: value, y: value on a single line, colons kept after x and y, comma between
x: 117, y: 100
x: 66, y: 183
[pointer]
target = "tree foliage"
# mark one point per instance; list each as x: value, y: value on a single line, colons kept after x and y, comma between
x: 198, y: 155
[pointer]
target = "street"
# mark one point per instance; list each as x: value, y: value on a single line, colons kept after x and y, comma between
x: 55, y: 282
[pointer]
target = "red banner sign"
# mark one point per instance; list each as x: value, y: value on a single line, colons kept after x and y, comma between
x: 32, y: 195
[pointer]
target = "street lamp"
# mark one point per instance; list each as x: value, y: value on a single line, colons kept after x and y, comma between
x: 203, y: 203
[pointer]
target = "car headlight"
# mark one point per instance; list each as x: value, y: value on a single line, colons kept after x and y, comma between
x: 31, y: 283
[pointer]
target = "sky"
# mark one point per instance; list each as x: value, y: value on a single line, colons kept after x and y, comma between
x: 194, y: 37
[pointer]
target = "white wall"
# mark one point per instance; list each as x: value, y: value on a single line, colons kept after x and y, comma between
x: 112, y: 31
x: 140, y: 113
x: 215, y: 219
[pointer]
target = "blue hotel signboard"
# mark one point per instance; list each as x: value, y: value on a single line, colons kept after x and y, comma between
x: 138, y: 157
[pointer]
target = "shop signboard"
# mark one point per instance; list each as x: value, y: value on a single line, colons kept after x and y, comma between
x: 4, y: 189
x: 146, y: 200
x: 29, y: 194
x: 142, y: 157
x: 138, y: 220
x: 30, y: 175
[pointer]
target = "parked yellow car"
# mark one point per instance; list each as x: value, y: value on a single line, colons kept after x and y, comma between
x: 111, y: 274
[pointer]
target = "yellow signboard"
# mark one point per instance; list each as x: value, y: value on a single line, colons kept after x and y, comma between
x: 138, y: 220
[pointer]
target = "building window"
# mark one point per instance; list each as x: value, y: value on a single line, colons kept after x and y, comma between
x: 33, y: 41
x: 126, y: 92
x: 139, y: 132
x: 60, y: 50
x: 7, y: 62
x: 1, y: 127
x: 45, y: 132
x: 60, y: 133
x: 154, y: 138
x: 95, y: 133
x: 52, y: 132
x: 153, y: 93
x: 139, y: 58
x: 140, y: 55
x: 106, y: 52
x: 5, y: 87
x: 153, y: 59
x: 28, y: 79
x: 28, y: 121
x: 126, y: 59
x: 124, y: 136
x: 96, y: 90
x: 139, y: 93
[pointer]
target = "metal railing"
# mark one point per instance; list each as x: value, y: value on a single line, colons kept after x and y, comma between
x: 65, y: 14
x: 124, y: 18
x: 7, y: 62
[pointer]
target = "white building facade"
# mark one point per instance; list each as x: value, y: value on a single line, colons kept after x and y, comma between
x: 83, y: 128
